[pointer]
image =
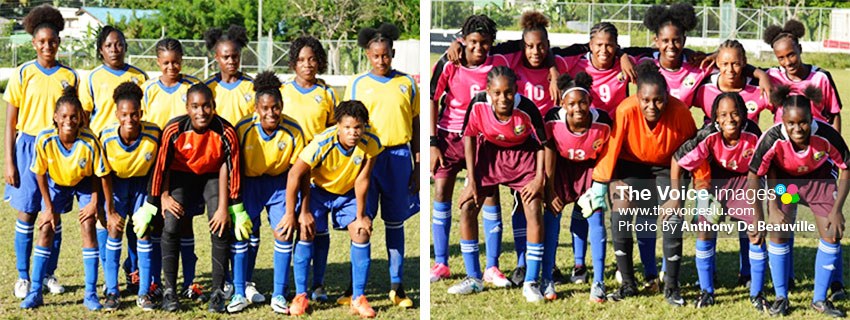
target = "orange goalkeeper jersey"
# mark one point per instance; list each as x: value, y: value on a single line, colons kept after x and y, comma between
x: 633, y: 140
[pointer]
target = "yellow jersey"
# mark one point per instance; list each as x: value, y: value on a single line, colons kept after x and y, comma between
x: 392, y: 101
x: 68, y: 167
x: 312, y: 107
x: 233, y: 101
x: 34, y: 90
x: 162, y: 103
x: 136, y: 159
x: 268, y: 154
x: 335, y: 169
x: 96, y: 92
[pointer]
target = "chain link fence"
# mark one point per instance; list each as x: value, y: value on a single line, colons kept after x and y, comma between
x: 344, y: 57
x: 572, y: 17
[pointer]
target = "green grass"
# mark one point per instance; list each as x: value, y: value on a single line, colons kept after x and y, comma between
x: 732, y: 302
x: 70, y: 274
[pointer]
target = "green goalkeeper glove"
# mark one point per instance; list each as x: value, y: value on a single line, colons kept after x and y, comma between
x: 142, y: 218
x: 241, y: 222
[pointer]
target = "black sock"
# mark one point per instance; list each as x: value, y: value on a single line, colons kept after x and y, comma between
x: 398, y: 288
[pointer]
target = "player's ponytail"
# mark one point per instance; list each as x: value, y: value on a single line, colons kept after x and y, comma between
x: 235, y: 34
x: 267, y: 82
x: 782, y: 97
x: 680, y: 15
x: 44, y: 16
x: 793, y: 30
x: 582, y: 82
x: 386, y: 33
x: 647, y: 74
x: 128, y: 91
x: 534, y: 21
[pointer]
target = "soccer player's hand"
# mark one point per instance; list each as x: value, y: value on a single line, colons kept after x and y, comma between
x: 709, y: 208
x: 87, y: 212
x: 765, y: 87
x: 756, y: 236
x: 363, y: 224
x: 219, y: 221
x: 171, y: 205
x: 668, y: 209
x: 413, y: 185
x: 598, y: 194
x: 241, y: 222
x: 834, y: 225
x: 48, y: 217
x: 470, y: 192
x: 455, y: 52
x: 553, y: 91
x: 555, y: 203
x: 436, y: 160
x: 287, y: 226
x: 307, y: 224
x: 628, y: 68
x: 531, y: 190
x: 12, y: 178
x: 114, y: 221
x: 142, y: 218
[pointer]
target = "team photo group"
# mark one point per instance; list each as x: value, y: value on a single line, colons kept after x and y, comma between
x: 143, y: 155
x: 560, y: 129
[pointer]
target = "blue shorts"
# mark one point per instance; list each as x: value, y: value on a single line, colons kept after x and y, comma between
x: 26, y: 197
x: 266, y: 192
x: 128, y: 194
x: 389, y: 185
x: 343, y: 208
x: 63, y: 196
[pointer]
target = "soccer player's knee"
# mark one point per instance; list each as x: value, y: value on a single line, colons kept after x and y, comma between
x: 361, y: 237
x: 171, y: 228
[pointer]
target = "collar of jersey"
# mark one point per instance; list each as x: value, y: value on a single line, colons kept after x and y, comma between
x: 657, y: 57
x: 380, y: 78
x: 812, y: 69
x: 229, y: 86
x: 61, y: 147
x: 342, y: 150
x: 45, y: 70
x: 170, y: 89
x: 117, y: 72
x: 266, y: 137
x: 303, y: 90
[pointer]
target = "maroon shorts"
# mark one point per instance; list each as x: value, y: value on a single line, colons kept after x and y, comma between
x: 514, y: 167
x: 723, y: 179
x: 817, y: 190
x: 451, y: 146
x: 572, y: 179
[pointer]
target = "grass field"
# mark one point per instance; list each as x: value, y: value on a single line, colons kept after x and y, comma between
x: 70, y: 274
x: 572, y: 302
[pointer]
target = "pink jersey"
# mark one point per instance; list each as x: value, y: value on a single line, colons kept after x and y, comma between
x: 525, y: 122
x: 609, y: 86
x: 708, y: 145
x: 682, y: 83
x: 818, y: 78
x: 578, y: 147
x: 534, y: 83
x: 459, y: 84
x: 776, y: 149
x: 753, y: 98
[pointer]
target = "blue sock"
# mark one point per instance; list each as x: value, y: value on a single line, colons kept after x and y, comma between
x: 704, y: 253
x: 144, y: 248
x: 395, y: 249
x: 598, y: 242
x: 825, y: 262
x: 23, y: 248
x: 361, y: 259
x: 534, y: 259
x: 40, y: 256
x: 838, y: 275
x: 53, y: 263
x: 239, y: 253
x: 441, y: 226
x: 282, y: 255
x: 778, y: 258
x: 110, y: 269
x: 102, y: 235
x: 492, y: 235
x: 551, y: 231
x: 744, y: 254
x: 646, y: 247
x: 518, y: 223
x: 189, y: 259
x: 301, y: 265
x: 469, y: 251
x: 713, y: 261
x: 131, y: 263
x: 156, y: 260
x: 253, y: 248
x: 90, y: 260
x: 758, y: 266
x: 791, y: 274
x: 578, y: 229
x: 321, y: 245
